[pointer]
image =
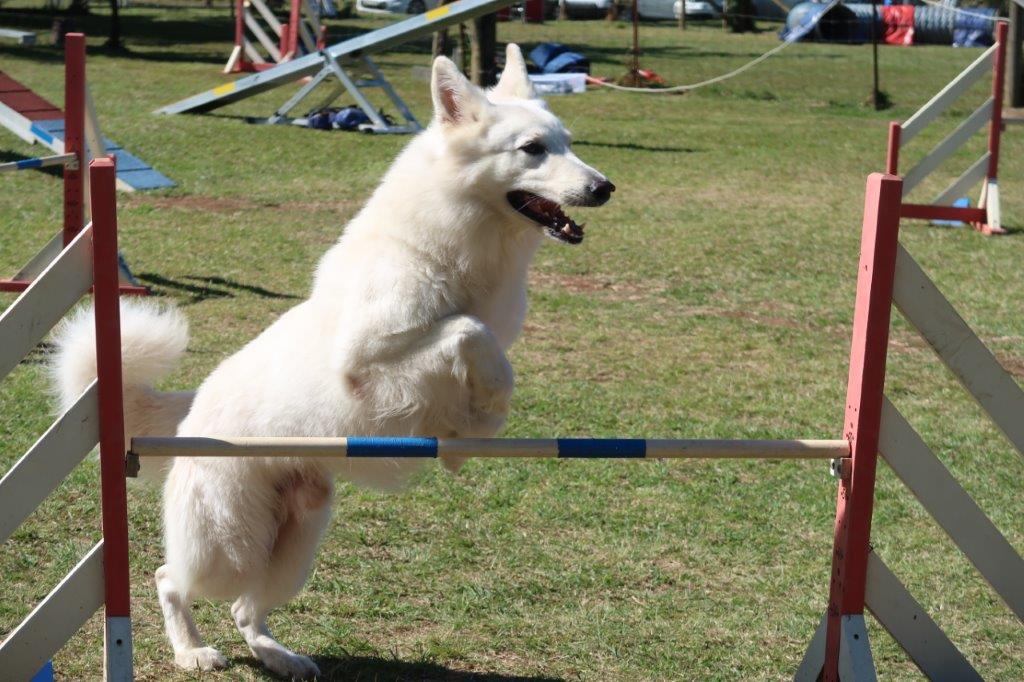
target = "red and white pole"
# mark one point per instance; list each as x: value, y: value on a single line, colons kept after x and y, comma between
x: 864, y: 399
x: 74, y: 134
x: 892, y: 156
x: 118, y: 631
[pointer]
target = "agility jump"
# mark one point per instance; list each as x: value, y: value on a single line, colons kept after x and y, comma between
x: 887, y: 275
x: 986, y: 217
x: 80, y: 141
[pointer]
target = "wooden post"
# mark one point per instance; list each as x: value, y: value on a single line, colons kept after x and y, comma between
x: 483, y: 41
x: 1015, y: 64
x: 74, y: 134
x: 682, y: 15
x: 114, y: 497
x: 864, y: 399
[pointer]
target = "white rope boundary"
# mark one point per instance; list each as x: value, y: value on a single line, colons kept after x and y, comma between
x: 967, y: 12
x: 725, y: 76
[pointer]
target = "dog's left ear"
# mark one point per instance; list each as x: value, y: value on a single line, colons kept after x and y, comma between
x: 456, y: 100
x: 514, y: 81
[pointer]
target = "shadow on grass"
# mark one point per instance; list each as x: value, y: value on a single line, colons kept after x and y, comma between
x: 206, y: 287
x: 633, y: 146
x: 377, y: 669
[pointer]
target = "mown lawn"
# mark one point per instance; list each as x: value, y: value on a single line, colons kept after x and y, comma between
x: 712, y: 298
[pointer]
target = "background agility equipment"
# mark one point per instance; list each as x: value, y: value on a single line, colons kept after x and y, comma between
x: 332, y: 62
x: 74, y: 148
x: 986, y: 217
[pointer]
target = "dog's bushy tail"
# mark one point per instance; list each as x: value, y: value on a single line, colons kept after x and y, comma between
x: 153, y: 340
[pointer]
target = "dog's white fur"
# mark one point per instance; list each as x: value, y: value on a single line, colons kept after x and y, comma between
x: 404, y: 333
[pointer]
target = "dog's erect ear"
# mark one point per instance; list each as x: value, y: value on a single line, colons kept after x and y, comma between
x: 456, y: 100
x: 514, y: 81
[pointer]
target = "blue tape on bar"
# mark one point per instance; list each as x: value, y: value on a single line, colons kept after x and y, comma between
x: 601, y: 448
x: 44, y: 137
x: 391, y: 447
x: 29, y: 163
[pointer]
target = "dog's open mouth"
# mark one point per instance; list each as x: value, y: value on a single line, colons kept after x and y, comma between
x: 548, y: 215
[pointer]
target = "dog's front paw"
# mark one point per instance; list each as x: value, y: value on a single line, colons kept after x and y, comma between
x: 491, y: 387
x: 201, y: 658
x: 290, y: 666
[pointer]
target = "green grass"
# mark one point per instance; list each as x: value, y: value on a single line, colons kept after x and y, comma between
x: 712, y: 298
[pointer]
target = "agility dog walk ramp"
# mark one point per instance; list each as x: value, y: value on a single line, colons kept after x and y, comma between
x: 331, y: 62
x: 34, y: 119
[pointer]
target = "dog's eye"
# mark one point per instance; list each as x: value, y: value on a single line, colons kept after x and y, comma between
x: 534, y: 148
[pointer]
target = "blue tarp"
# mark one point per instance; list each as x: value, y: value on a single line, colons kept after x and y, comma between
x: 558, y: 58
x: 973, y: 27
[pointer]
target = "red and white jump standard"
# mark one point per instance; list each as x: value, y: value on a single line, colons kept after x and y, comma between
x: 76, y: 177
x: 986, y: 217
x: 839, y: 649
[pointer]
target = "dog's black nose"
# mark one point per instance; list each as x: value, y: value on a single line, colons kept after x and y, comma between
x: 601, y: 191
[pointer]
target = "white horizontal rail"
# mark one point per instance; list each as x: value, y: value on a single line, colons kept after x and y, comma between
x: 970, y: 361
x: 48, y: 462
x: 69, y: 160
x: 937, y: 104
x: 972, y: 176
x: 44, y: 302
x: 952, y: 508
x: 55, y: 619
x: 956, y: 139
x: 565, y: 448
x: 912, y: 628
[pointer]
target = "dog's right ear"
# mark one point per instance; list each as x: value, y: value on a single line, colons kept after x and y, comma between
x: 515, y: 80
x: 456, y: 100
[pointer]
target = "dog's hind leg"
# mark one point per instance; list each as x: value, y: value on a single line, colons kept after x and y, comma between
x: 189, y: 651
x: 307, y: 508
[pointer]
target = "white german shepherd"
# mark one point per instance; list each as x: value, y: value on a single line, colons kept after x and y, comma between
x: 404, y: 333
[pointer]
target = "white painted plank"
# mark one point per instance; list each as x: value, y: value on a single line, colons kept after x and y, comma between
x: 960, y: 186
x: 41, y: 306
x: 912, y: 628
x: 267, y: 15
x: 814, y: 657
x: 946, y: 96
x: 55, y: 619
x: 117, y: 649
x: 18, y: 124
x: 262, y: 37
x: 39, y: 261
x: 995, y: 218
x: 48, y: 462
x: 924, y: 306
x: 855, y: 661
x: 952, y: 508
x: 956, y: 139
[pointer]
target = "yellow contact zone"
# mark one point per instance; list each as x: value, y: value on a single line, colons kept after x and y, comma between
x: 224, y: 89
x: 438, y: 12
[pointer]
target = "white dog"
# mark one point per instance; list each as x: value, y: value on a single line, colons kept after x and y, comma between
x: 404, y: 333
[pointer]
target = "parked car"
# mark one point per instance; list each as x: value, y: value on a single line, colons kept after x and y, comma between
x: 698, y: 9
x: 587, y: 9
x: 395, y: 6
x: 656, y: 9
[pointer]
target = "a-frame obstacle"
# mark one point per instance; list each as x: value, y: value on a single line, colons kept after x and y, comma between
x: 334, y: 64
x: 986, y: 217
x: 839, y: 649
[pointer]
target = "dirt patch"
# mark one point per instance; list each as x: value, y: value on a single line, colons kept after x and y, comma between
x: 604, y: 286
x: 1013, y: 365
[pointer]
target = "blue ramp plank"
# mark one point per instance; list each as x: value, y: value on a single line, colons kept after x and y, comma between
x: 131, y: 170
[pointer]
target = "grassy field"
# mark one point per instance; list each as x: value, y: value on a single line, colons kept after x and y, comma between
x: 712, y: 298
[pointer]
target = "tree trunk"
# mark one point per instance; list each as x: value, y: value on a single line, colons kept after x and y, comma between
x: 483, y: 41
x: 441, y: 46
x: 114, y: 41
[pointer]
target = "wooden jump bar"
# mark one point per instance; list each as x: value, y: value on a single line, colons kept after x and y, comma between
x: 563, y: 448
